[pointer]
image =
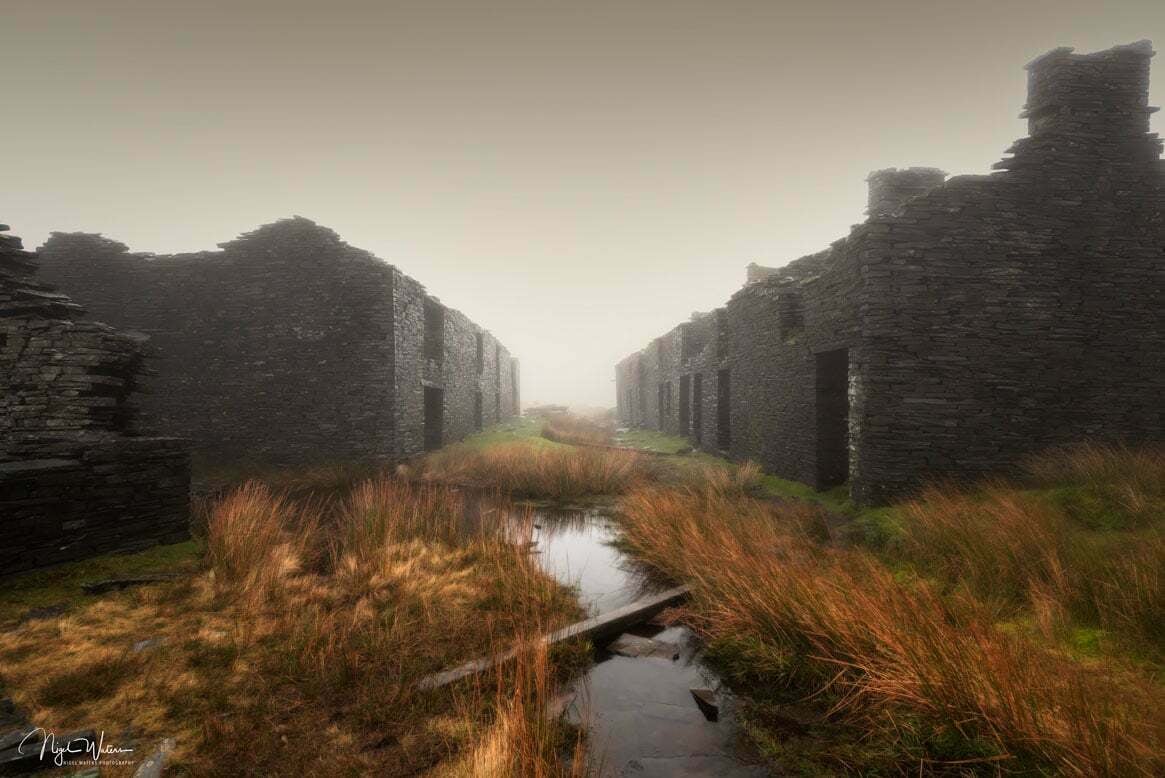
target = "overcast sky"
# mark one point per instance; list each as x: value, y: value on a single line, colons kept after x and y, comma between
x: 576, y: 177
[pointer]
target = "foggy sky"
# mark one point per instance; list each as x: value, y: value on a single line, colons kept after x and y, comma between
x: 576, y: 177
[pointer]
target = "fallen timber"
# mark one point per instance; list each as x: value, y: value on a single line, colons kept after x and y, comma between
x: 597, y: 629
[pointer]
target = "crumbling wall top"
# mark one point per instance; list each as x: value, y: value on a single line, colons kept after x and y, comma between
x: 890, y: 188
x: 20, y: 294
x: 1103, y: 94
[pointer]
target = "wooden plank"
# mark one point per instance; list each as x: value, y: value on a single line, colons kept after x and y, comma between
x: 598, y: 629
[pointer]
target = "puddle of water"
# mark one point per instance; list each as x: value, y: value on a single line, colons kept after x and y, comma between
x: 575, y: 547
x: 639, y: 712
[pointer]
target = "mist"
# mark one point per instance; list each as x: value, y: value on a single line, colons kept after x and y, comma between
x: 578, y: 178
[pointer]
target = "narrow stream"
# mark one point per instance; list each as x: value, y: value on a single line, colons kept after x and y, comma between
x: 639, y: 711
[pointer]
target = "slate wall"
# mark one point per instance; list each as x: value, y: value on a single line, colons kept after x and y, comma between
x: 76, y: 479
x: 457, y: 374
x: 288, y: 346
x: 107, y: 495
x: 777, y: 328
x: 626, y: 391
x: 1013, y: 312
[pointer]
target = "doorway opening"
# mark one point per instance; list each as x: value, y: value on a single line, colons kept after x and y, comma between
x: 832, y: 391
x: 434, y: 417
x: 723, y: 410
x: 434, y: 330
x: 698, y: 406
x: 477, y: 410
x: 685, y: 405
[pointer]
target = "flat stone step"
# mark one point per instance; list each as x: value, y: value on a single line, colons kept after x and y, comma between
x: 636, y: 646
x: 598, y: 629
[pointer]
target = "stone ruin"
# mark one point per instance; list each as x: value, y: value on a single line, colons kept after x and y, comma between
x: 288, y: 346
x: 76, y: 477
x: 968, y: 322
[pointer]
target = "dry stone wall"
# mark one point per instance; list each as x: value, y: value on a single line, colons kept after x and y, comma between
x: 76, y: 478
x: 1008, y: 313
x: 969, y: 321
x: 287, y: 346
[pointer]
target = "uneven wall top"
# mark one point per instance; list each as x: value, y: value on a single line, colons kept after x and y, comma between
x: 889, y: 189
x: 286, y: 344
x: 63, y: 379
x: 20, y: 294
x: 1101, y: 94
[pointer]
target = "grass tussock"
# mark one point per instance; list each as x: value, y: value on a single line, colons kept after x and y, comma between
x: 921, y: 667
x: 541, y: 470
x: 1085, y: 548
x: 567, y: 428
x: 526, y: 469
x: 526, y: 737
x: 1102, y: 486
x: 311, y: 622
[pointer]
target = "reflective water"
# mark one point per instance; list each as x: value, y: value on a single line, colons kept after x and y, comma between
x: 640, y: 715
x: 576, y: 548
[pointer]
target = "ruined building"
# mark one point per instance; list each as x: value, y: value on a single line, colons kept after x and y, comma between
x: 967, y: 322
x: 76, y: 478
x: 289, y: 346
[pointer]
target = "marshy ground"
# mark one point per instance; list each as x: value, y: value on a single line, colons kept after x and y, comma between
x: 1005, y: 628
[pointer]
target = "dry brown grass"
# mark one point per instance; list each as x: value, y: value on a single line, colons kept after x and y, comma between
x: 528, y: 469
x: 897, y: 656
x: 568, y: 428
x: 297, y: 651
x: 534, y: 468
x: 1088, y: 548
x: 1113, y: 486
x: 522, y: 740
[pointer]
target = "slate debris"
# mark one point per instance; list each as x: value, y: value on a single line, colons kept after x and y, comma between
x: 629, y: 645
x: 114, y: 584
x: 22, y: 756
x: 152, y: 766
x: 707, y: 703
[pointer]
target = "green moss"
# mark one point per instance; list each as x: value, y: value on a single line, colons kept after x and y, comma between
x: 522, y: 428
x: 1086, y: 642
x: 877, y: 528
x: 1092, y: 507
x: 61, y: 585
x: 651, y: 440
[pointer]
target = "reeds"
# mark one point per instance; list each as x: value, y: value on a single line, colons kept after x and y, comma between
x: 256, y: 538
x: 526, y: 736
x: 1105, y: 486
x: 530, y: 470
x: 1088, y: 547
x: 568, y: 428
x: 899, y: 656
x: 314, y: 621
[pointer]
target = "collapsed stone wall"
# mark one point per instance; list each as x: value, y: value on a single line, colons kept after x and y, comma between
x: 972, y: 321
x: 287, y: 346
x: 75, y: 477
